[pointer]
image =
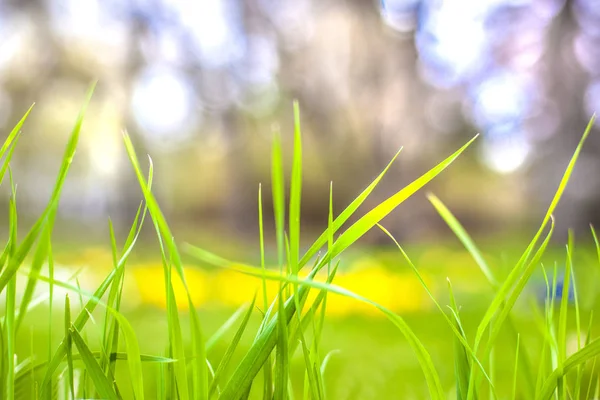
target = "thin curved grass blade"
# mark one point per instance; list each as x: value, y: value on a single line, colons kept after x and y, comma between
x: 226, y: 360
x: 369, y: 220
x: 102, y: 384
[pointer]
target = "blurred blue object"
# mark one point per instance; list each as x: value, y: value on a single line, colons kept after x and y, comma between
x: 558, y: 295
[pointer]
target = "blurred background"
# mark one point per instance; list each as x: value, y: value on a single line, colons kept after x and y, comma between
x: 201, y: 85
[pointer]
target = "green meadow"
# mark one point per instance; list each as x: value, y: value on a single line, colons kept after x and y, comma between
x: 330, y: 319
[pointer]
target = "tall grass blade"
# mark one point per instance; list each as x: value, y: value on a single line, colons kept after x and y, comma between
x: 226, y: 359
x: 295, y: 193
x: 198, y: 363
x: 369, y: 220
x: 219, y: 333
x: 462, y: 365
x: 282, y: 363
x: 267, y: 372
x: 346, y: 214
x: 102, y: 384
x: 516, y: 367
x: 70, y: 369
x: 562, y: 319
x: 10, y: 302
x: 278, y: 185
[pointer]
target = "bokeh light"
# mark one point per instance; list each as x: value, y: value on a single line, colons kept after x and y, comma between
x: 163, y: 105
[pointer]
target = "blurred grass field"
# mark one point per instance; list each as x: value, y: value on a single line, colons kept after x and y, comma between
x: 371, y: 360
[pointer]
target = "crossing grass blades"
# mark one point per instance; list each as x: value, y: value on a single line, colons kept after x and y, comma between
x: 291, y: 324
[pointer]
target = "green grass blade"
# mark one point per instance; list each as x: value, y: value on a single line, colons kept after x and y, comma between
x: 596, y: 243
x: 225, y: 361
x: 267, y: 372
x: 12, y: 136
x: 562, y: 319
x: 295, y: 193
x: 510, y: 302
x: 134, y: 358
x: 6, y: 162
x: 369, y: 220
x: 588, y: 338
x: 102, y: 384
x: 40, y: 256
x: 10, y: 302
x: 70, y: 369
x: 110, y: 339
x: 462, y: 365
x: 346, y: 214
x: 282, y: 364
x: 278, y: 185
x: 516, y: 367
x: 211, y: 341
x: 199, y: 368
x: 464, y: 237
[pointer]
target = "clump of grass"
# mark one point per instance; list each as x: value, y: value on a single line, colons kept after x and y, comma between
x: 80, y: 367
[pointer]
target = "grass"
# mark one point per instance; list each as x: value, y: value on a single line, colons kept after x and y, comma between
x: 278, y: 346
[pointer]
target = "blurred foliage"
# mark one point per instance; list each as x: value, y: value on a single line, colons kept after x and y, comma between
x: 201, y: 85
